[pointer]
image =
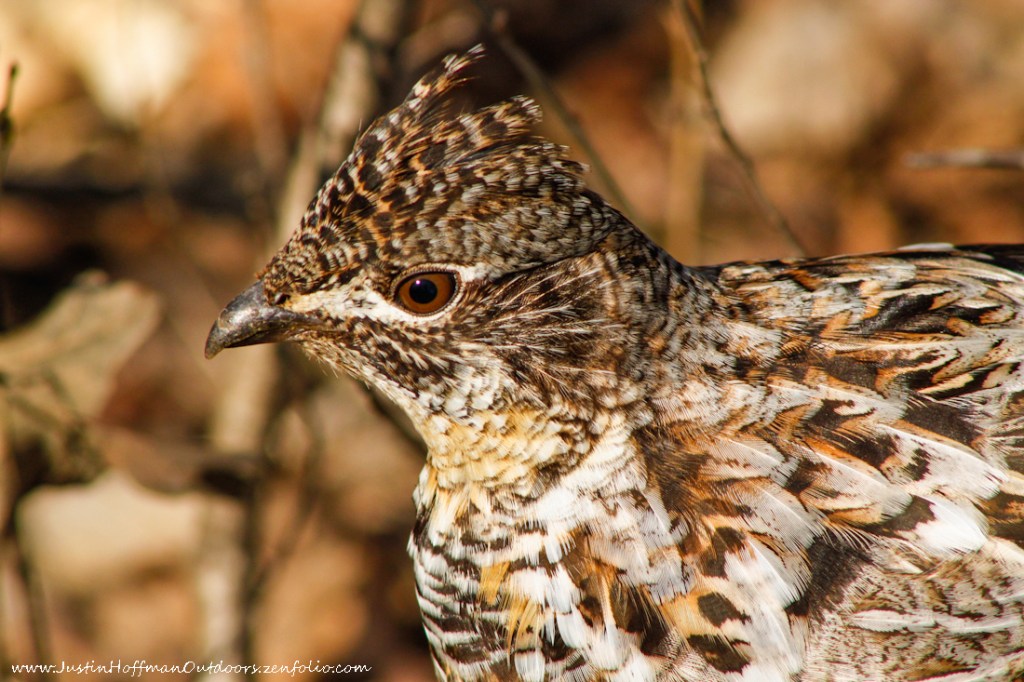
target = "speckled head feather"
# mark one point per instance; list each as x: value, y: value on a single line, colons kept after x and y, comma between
x: 423, y: 186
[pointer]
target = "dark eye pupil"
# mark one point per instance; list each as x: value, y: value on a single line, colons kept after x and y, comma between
x: 422, y: 291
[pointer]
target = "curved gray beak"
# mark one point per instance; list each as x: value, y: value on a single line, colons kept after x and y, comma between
x: 250, y: 319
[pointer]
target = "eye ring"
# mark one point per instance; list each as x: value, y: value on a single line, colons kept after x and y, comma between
x: 424, y: 293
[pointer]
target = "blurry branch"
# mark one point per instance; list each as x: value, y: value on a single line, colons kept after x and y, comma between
x: 251, y: 593
x: 686, y: 149
x: 7, y: 123
x: 245, y: 406
x: 5, y: 655
x: 12, y: 548
x: 1009, y: 159
x: 399, y: 419
x: 308, y: 499
x: 38, y: 622
x: 257, y: 570
x: 771, y: 213
x: 269, y: 134
x: 539, y: 82
x: 350, y: 99
x: 242, y: 411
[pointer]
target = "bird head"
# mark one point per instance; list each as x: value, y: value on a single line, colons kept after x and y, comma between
x: 452, y: 261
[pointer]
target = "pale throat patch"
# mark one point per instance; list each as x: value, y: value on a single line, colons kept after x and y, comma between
x: 492, y: 449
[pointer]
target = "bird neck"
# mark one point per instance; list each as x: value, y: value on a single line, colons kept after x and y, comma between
x: 506, y: 464
x: 516, y: 448
x: 537, y: 428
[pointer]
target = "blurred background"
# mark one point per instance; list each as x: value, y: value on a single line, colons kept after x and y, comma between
x: 157, y: 506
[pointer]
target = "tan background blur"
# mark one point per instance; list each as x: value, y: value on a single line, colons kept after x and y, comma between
x: 156, y: 506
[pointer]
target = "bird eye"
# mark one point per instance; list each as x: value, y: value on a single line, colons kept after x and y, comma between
x: 426, y: 292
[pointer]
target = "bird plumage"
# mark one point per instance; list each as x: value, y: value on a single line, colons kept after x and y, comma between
x: 793, y: 470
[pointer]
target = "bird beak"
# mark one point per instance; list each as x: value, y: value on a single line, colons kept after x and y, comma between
x: 250, y: 319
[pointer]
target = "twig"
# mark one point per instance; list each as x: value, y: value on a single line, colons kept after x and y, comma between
x: 36, y: 603
x: 6, y: 142
x: 1008, y: 159
x: 348, y: 99
x: 686, y: 139
x: 7, y: 123
x: 5, y: 654
x: 252, y: 583
x: 714, y: 112
x: 363, y: 63
x: 218, y: 577
x: 540, y: 83
x: 309, y: 497
x: 269, y: 139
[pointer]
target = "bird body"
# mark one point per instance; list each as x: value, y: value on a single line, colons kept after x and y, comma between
x: 793, y: 470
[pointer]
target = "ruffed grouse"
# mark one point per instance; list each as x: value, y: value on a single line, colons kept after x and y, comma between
x: 791, y: 470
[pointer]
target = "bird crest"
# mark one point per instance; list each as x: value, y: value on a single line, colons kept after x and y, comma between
x: 424, y: 184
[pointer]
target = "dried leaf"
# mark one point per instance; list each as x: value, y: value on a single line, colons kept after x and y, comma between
x: 57, y: 373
